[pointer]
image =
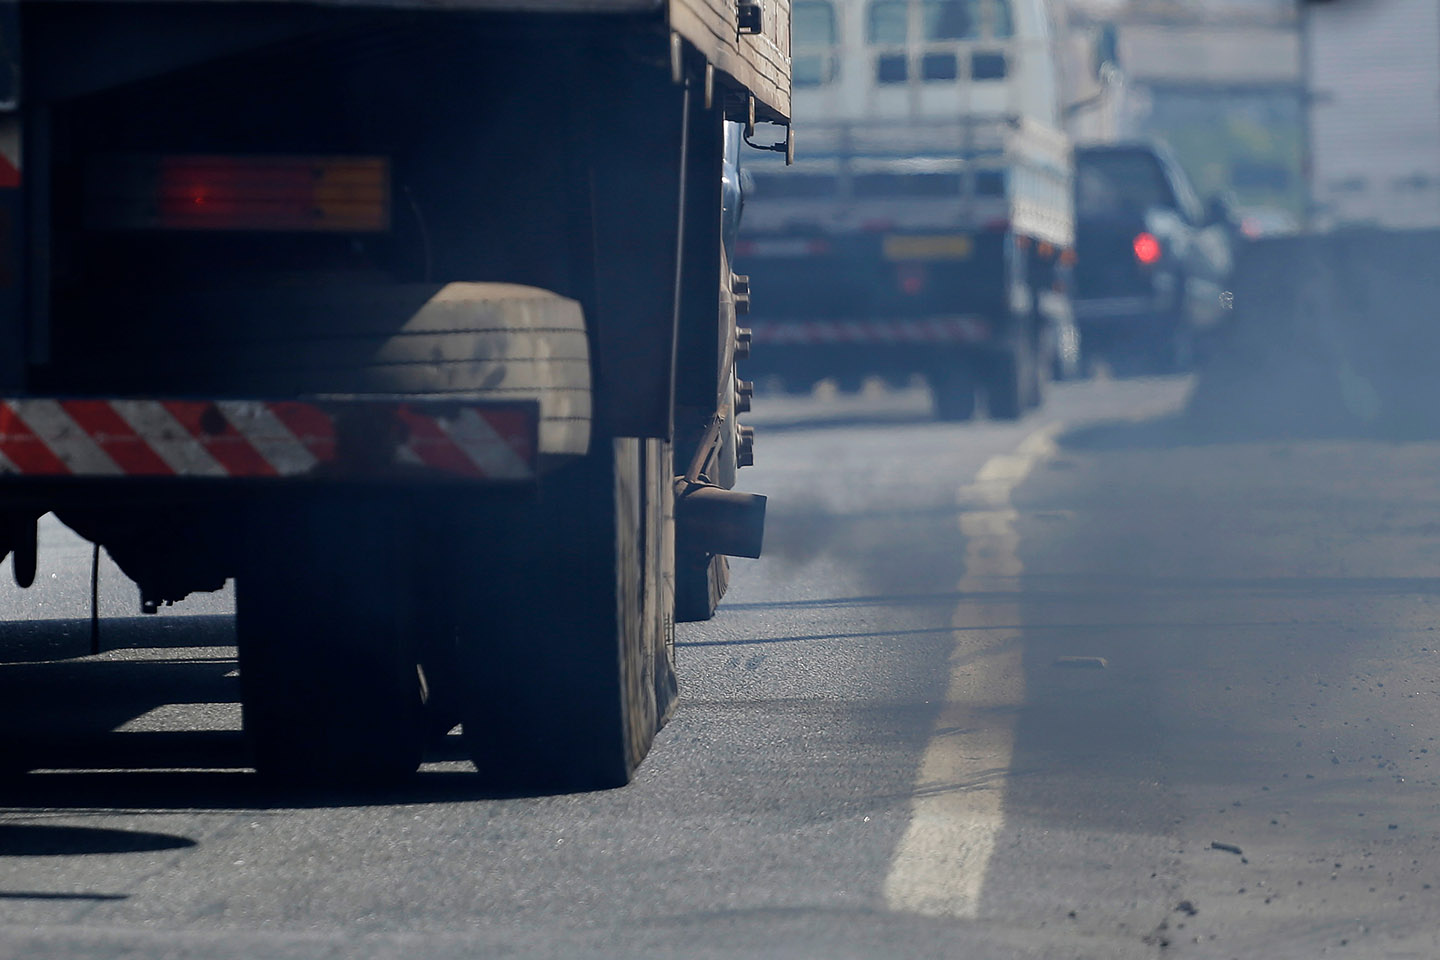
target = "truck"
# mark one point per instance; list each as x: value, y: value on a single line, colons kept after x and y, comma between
x: 416, y: 322
x: 926, y: 228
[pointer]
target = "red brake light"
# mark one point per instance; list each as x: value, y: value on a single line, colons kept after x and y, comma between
x: 911, y: 278
x: 1147, y: 248
x: 344, y: 194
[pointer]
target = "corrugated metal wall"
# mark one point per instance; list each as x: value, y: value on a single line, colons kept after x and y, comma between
x: 1375, y: 123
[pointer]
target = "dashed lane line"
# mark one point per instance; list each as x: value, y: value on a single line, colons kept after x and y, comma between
x: 957, y: 811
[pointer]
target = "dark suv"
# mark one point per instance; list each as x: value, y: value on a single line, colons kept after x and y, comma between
x: 1153, y: 266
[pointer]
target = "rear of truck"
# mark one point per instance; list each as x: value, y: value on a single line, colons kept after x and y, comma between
x: 414, y: 320
x: 903, y: 249
x: 923, y: 227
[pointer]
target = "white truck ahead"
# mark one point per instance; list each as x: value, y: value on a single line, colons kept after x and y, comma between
x: 926, y: 225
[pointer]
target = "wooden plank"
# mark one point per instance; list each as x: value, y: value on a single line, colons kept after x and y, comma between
x: 758, y: 63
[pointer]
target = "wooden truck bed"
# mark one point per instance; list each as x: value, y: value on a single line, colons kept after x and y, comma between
x: 759, y: 63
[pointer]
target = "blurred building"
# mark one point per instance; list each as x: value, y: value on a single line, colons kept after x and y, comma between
x: 1375, y: 113
x: 1219, y: 80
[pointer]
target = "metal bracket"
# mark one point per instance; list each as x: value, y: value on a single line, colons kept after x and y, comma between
x: 749, y: 17
x: 786, y: 146
x: 709, y: 443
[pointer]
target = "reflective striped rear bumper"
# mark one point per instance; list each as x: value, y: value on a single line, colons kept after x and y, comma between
x: 360, y: 438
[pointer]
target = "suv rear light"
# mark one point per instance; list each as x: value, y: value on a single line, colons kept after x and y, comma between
x: 1147, y: 248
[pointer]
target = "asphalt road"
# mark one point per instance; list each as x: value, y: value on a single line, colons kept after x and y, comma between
x: 1116, y: 681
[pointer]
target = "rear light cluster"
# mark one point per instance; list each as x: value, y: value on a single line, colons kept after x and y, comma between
x: 1147, y: 248
x: 239, y: 193
x: 911, y: 278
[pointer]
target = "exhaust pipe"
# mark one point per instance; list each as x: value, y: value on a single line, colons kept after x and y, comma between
x: 711, y: 519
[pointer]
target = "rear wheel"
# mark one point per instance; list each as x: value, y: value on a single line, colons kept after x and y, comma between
x: 1004, y: 385
x: 564, y: 659
x: 330, y: 685
x: 1040, y: 368
x: 953, y: 394
x: 1181, y: 351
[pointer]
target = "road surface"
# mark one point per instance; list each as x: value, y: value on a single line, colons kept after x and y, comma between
x: 1115, y: 681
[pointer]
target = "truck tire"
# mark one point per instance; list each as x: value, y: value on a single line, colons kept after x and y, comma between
x: 953, y: 394
x: 1005, y: 384
x: 564, y: 662
x: 1180, y: 349
x: 330, y: 688
x: 1038, y: 378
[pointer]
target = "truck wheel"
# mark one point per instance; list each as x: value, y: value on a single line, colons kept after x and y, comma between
x: 1038, y: 375
x: 1181, y: 349
x: 1005, y: 384
x: 953, y: 394
x: 329, y: 682
x: 565, y: 661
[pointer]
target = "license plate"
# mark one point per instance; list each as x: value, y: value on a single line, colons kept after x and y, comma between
x: 956, y: 246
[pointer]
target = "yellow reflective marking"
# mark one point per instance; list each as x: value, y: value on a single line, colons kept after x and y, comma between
x: 957, y: 246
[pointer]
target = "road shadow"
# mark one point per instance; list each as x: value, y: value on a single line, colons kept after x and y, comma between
x: 50, y: 840
x: 154, y: 724
x: 238, y: 789
x: 24, y: 641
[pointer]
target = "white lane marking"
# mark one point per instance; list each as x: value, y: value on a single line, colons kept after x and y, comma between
x: 959, y: 798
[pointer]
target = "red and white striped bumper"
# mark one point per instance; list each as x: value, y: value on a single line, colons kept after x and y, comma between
x: 940, y: 330
x: 320, y: 439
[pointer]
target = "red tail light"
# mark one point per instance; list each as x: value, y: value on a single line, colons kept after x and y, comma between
x: 1147, y: 248
x: 910, y: 277
x: 239, y: 193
